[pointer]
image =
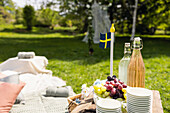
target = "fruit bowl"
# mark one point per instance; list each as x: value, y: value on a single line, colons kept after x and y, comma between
x: 110, y: 88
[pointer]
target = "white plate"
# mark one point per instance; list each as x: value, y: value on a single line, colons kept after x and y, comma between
x: 138, y: 97
x: 141, y: 92
x: 130, y: 111
x: 108, y: 104
x: 137, y: 107
x: 138, y: 110
x: 140, y: 105
x: 140, y: 100
x: 108, y: 110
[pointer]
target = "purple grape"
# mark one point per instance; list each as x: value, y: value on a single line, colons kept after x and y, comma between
x: 121, y: 91
x: 111, y: 95
x: 114, y: 76
x: 115, y: 97
x: 109, y: 78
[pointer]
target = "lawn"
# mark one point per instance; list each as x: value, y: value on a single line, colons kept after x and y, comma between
x: 68, y: 57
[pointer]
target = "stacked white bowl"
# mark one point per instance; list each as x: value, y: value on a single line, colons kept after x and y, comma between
x: 139, y: 100
x: 108, y: 106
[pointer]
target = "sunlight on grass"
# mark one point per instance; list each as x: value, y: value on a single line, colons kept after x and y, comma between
x: 20, y: 35
x: 145, y: 36
x: 69, y: 59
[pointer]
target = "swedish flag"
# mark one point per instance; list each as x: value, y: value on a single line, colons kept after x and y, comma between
x: 105, y: 40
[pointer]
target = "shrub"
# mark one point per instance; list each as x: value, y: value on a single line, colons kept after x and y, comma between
x: 28, y: 15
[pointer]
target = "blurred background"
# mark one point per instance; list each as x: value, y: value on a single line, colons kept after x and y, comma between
x: 56, y: 28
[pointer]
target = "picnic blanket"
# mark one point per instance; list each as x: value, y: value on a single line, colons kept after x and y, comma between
x: 37, y: 78
x: 35, y: 97
x: 37, y: 103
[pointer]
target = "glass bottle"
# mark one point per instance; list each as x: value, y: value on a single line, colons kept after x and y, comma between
x: 124, y: 62
x: 136, y: 67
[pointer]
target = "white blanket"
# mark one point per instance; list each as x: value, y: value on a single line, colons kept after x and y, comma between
x: 36, y: 65
x: 32, y: 72
x: 37, y: 79
x: 39, y: 82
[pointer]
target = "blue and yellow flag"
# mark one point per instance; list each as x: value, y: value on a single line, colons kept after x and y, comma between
x: 105, y: 40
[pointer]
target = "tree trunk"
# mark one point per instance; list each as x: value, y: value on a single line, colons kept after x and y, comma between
x: 111, y: 12
x: 134, y: 20
x: 85, y: 25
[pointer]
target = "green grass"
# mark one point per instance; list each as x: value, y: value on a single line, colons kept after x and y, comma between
x: 68, y: 57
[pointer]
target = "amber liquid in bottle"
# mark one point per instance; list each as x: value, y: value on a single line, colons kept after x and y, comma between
x: 136, y: 69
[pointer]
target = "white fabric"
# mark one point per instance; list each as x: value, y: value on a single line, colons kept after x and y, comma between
x: 38, y: 83
x: 35, y: 65
x: 101, y: 23
x: 35, y: 87
x: 8, y: 72
x: 14, y: 79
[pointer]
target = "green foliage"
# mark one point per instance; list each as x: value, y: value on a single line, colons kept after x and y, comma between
x: 5, y: 17
x: 9, y: 6
x: 2, y: 21
x: 9, y: 9
x: 150, y: 14
x: 47, y: 17
x: 76, y: 11
x: 19, y: 16
x: 62, y: 21
x: 69, y: 23
x: 28, y: 15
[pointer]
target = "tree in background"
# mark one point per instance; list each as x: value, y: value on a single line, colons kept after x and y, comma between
x: 149, y: 14
x: 5, y: 17
x: 76, y: 11
x: 18, y: 16
x: 7, y: 11
x: 47, y: 16
x: 8, y: 5
x: 28, y: 16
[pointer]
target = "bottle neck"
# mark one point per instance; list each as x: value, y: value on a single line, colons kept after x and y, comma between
x: 127, y: 55
x: 136, y: 51
x: 127, y: 52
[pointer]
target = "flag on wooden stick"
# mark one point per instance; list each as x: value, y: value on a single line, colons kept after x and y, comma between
x: 107, y: 41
